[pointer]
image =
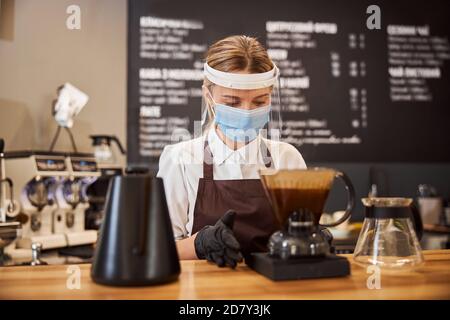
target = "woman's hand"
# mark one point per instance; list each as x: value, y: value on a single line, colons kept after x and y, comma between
x: 218, y: 244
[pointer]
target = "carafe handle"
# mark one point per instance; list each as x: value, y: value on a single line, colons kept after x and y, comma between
x: 350, y: 199
x: 117, y: 141
x: 417, y: 221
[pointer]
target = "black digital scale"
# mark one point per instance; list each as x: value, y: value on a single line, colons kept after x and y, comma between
x: 299, y: 268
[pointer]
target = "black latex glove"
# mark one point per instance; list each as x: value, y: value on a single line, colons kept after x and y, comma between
x: 218, y: 244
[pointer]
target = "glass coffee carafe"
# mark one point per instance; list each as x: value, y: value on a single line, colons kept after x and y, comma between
x: 390, y: 234
x: 301, y: 248
x: 298, y: 198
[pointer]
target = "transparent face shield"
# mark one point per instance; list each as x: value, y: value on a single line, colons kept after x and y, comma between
x: 242, y: 106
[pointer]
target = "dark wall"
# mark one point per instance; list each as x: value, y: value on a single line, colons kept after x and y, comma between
x: 349, y: 93
x: 392, y: 179
x: 372, y: 123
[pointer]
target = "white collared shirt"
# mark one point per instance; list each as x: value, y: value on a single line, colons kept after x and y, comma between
x: 181, y: 167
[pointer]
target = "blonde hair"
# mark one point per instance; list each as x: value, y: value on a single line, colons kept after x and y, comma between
x: 239, y: 53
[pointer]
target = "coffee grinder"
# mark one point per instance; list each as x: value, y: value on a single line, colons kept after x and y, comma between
x: 72, y: 199
x: 299, y: 250
x: 36, y: 175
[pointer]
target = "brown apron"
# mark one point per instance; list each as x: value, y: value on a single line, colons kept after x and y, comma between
x: 254, y: 221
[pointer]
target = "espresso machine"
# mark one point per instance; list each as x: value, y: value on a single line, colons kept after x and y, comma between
x: 9, y: 230
x: 300, y: 249
x: 51, y: 190
x: 36, y: 175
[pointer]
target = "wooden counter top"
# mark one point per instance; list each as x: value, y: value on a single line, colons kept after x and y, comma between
x: 201, y: 280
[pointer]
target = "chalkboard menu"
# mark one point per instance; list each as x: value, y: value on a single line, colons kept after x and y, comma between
x: 359, y: 83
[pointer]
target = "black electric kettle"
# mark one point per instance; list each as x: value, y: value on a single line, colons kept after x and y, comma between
x: 136, y: 246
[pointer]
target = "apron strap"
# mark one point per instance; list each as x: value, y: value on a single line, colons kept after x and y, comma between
x: 267, y: 156
x: 207, y: 162
x: 208, y: 159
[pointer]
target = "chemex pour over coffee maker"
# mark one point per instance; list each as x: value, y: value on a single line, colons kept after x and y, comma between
x: 390, y: 234
x: 299, y: 250
x: 136, y: 246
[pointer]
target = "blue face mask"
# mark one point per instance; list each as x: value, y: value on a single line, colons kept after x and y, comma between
x: 239, y: 124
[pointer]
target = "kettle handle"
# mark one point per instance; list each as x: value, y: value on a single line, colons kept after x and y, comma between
x: 417, y: 220
x: 117, y: 141
x: 350, y: 199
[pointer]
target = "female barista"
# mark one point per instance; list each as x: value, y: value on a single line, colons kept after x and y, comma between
x: 216, y: 201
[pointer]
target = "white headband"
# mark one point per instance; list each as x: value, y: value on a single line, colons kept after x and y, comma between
x: 241, y: 80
